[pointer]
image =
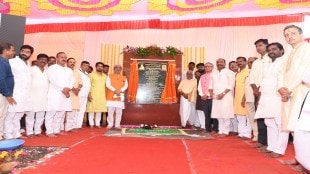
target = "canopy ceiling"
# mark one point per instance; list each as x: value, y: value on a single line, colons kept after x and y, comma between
x: 60, y: 11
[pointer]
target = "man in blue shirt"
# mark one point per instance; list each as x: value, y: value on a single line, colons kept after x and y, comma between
x: 6, y: 81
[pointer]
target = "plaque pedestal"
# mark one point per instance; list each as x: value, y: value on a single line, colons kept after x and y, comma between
x: 159, y: 114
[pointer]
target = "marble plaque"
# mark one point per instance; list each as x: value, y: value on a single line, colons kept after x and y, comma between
x: 152, y: 77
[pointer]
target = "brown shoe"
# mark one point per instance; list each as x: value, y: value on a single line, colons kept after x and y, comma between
x: 289, y: 162
x: 31, y: 135
x: 273, y: 155
x: 233, y: 133
x: 258, y: 145
x: 297, y: 168
x: 262, y: 149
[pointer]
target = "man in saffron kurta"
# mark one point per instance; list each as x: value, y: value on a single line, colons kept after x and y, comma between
x: 97, y: 96
x: 117, y: 84
x: 244, y: 127
x: 75, y: 101
x: 187, y: 89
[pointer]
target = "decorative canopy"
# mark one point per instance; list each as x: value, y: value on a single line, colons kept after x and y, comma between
x: 53, y: 11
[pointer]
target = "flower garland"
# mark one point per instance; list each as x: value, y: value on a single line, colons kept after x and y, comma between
x: 152, y: 50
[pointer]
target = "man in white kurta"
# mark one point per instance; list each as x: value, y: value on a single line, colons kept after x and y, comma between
x: 58, y: 98
x: 21, y: 93
x: 290, y: 85
x: 269, y: 106
x: 256, y: 76
x: 222, y: 83
x: 249, y: 100
x: 302, y: 130
x: 39, y: 89
x: 70, y: 123
x: 187, y: 89
x: 83, y: 94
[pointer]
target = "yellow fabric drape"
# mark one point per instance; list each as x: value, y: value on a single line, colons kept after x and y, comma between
x: 133, y: 81
x: 169, y: 93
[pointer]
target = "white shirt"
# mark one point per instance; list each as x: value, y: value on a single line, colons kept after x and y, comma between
x: 86, y: 84
x: 256, y: 74
x: 59, y: 78
x: 22, y: 85
x: 221, y: 80
x: 270, y: 101
x: 39, y: 89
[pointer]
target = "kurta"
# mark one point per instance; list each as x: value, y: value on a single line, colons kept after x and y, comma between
x: 221, y: 80
x: 248, y: 91
x: 240, y: 91
x: 304, y: 117
x: 21, y: 91
x: 256, y: 75
x: 270, y: 101
x: 98, y: 93
x: 290, y: 76
x: 39, y: 89
x: 59, y: 77
x: 189, y: 87
x: 302, y: 131
x: 86, y: 84
x: 77, y: 82
x: 116, y: 82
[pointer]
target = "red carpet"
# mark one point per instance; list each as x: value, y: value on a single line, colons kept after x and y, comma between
x: 120, y: 155
x: 99, y: 154
x: 72, y: 138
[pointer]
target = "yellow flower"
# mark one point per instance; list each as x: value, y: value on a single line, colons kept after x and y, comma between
x: 3, y: 154
x: 17, y: 153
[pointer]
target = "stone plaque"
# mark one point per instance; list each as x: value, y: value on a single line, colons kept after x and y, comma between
x: 152, y: 76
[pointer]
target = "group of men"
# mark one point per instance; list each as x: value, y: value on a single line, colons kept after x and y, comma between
x: 263, y: 99
x: 52, y: 91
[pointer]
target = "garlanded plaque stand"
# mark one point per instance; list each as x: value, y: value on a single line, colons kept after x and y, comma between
x: 148, y: 109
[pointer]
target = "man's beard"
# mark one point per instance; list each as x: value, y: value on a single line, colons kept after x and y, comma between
x: 201, y: 71
x: 24, y: 57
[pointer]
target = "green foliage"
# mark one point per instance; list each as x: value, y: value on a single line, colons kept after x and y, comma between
x: 153, y: 50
